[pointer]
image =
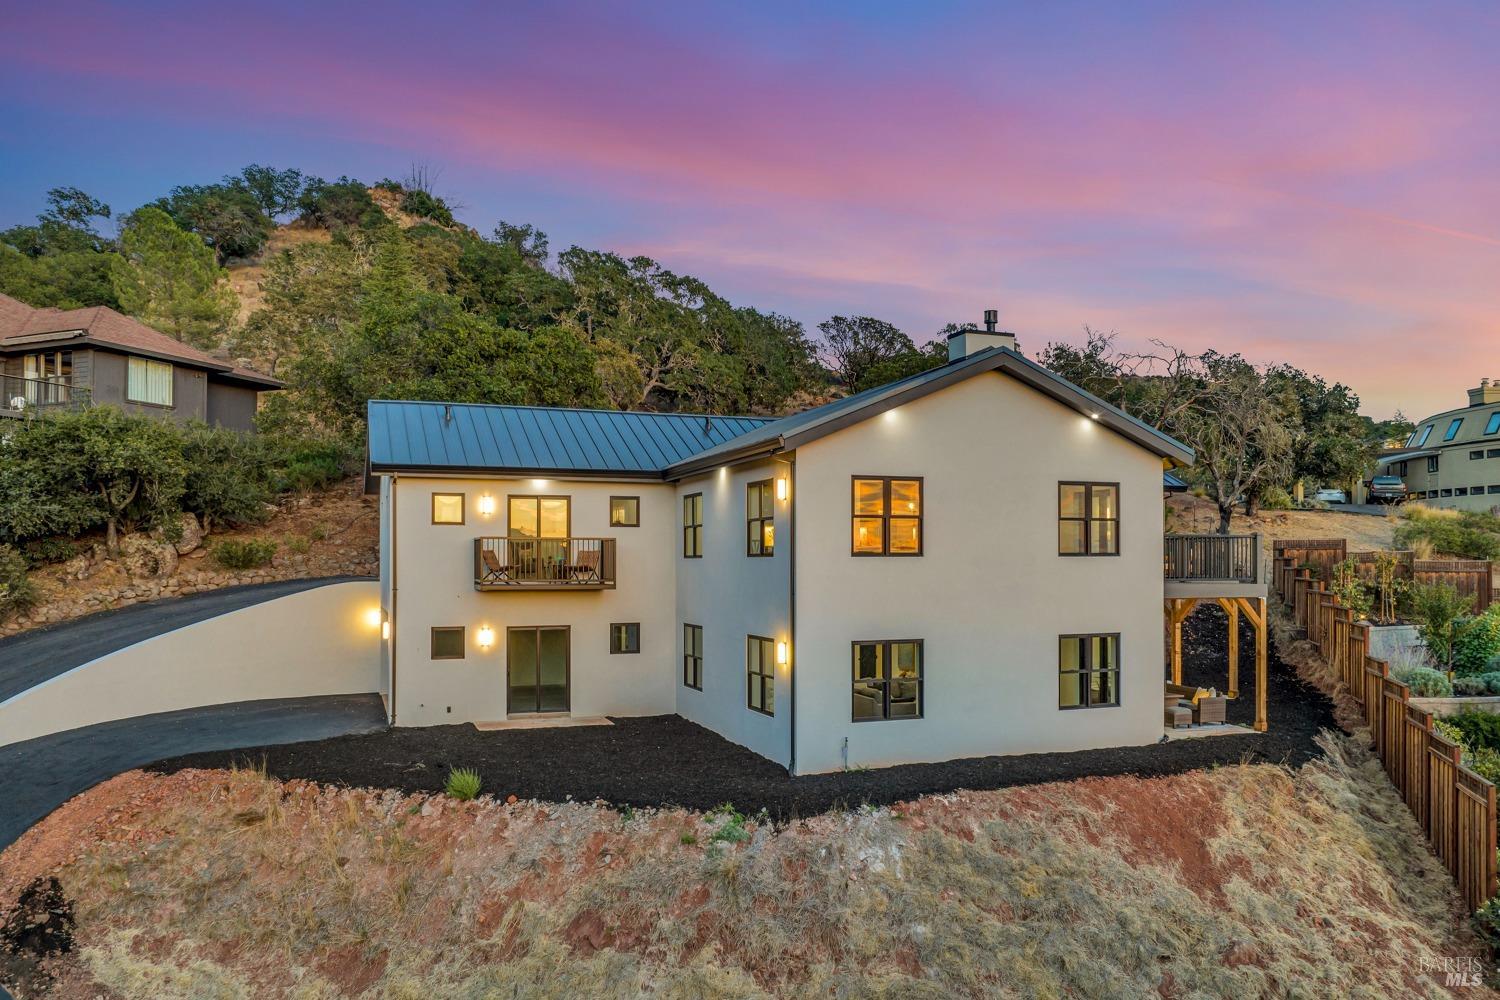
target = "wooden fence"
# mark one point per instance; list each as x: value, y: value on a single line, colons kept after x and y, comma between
x: 1474, y: 577
x: 1453, y: 804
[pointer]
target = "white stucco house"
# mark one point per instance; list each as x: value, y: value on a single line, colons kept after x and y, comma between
x: 961, y: 563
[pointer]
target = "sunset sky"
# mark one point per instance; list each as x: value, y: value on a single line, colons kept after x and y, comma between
x: 1313, y: 183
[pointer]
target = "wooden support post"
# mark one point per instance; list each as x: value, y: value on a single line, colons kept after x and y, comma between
x: 1255, y: 609
x: 1233, y: 611
x: 1178, y: 613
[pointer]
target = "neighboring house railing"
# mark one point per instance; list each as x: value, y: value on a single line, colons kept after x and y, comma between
x: 1234, y: 558
x: 22, y: 396
x: 560, y: 563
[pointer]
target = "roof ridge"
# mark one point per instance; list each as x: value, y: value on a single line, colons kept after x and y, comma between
x: 582, y: 409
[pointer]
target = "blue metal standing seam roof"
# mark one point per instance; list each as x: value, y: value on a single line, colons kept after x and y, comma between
x: 479, y: 437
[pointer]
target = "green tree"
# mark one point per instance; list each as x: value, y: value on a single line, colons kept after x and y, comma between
x: 851, y: 346
x: 309, y: 294
x: 1440, y: 611
x: 275, y: 191
x: 169, y: 279
x: 228, y: 217
x: 60, y: 262
x: 225, y: 480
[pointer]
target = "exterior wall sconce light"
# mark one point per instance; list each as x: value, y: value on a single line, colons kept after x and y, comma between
x: 781, y: 488
x: 486, y: 637
x: 486, y: 505
x: 781, y: 654
x: 385, y: 630
x: 374, y: 617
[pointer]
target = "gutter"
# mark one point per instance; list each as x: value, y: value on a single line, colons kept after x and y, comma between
x: 792, y: 612
x: 395, y: 577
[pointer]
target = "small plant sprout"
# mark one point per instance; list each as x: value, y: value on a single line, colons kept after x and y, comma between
x: 463, y: 784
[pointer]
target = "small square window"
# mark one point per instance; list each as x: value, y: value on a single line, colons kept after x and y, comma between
x: 625, y: 637
x: 624, y: 512
x: 1461, y: 491
x: 447, y: 508
x: 1493, y: 453
x: 448, y: 643
x: 1494, y: 489
x: 1476, y: 456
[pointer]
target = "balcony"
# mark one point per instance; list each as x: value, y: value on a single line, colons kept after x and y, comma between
x: 1214, y: 565
x: 544, y: 563
x: 27, y: 397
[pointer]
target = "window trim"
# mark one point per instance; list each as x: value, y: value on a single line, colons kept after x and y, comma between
x: 619, y: 524
x: 764, y: 677
x: 538, y: 497
x: 689, y: 655
x: 1083, y: 672
x: 171, y: 402
x: 463, y: 509
x: 886, y: 644
x: 1088, y: 519
x: 625, y: 649
x: 696, y: 526
x: 885, y: 517
x: 1454, y: 426
x: 769, y: 486
x: 463, y: 642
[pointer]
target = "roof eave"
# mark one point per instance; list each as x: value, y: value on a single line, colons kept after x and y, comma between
x: 513, y: 472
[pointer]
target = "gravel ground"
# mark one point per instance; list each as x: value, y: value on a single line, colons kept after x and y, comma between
x: 668, y: 761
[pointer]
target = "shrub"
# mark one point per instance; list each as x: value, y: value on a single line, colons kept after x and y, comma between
x: 1460, y: 534
x: 1487, y: 924
x: 1477, y: 642
x: 1479, y: 729
x: 247, y: 554
x: 425, y: 206
x: 300, y: 465
x: 1427, y: 683
x: 338, y: 204
x: 1470, y: 687
x: 17, y: 591
x: 226, y: 478
x: 1276, y: 498
x: 463, y: 784
x: 1438, y: 608
x: 45, y: 551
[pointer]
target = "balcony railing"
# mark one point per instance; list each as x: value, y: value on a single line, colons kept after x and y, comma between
x: 1213, y: 558
x: 544, y: 563
x: 25, y: 396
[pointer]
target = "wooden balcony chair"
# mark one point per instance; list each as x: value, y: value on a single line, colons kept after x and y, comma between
x: 586, y: 569
x: 494, y: 570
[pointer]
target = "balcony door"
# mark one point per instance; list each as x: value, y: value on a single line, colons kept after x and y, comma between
x: 48, y: 377
x: 537, y: 667
x: 539, y: 527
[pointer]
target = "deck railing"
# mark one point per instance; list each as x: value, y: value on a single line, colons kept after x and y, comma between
x: 560, y: 563
x: 31, y: 395
x: 1233, y: 558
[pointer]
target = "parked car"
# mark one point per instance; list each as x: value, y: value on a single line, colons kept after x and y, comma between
x: 1387, y: 489
x: 1328, y: 495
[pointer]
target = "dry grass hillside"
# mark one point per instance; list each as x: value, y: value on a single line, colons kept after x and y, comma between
x: 245, y: 279
x: 1365, y: 532
x: 1243, y: 881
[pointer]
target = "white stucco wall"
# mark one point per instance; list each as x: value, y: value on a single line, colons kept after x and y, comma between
x: 990, y: 596
x: 733, y: 596
x: 435, y: 587
x: 314, y: 642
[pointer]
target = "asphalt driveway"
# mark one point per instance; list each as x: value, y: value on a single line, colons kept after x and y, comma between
x: 39, y: 775
x: 30, y: 658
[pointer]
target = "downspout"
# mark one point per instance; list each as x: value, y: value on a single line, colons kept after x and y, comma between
x: 792, y: 610
x: 395, y: 578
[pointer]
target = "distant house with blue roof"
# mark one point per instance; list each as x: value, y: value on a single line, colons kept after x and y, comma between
x: 964, y: 562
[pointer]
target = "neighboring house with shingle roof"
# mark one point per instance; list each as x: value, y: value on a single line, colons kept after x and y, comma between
x: 69, y: 357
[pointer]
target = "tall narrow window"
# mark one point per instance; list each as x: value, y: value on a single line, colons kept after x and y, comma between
x: 692, y: 525
x: 1432, y: 463
x: 624, y: 512
x: 887, y: 680
x: 887, y: 516
x: 1088, y: 519
x: 148, y: 381
x: 760, y: 674
x: 1425, y: 434
x: 760, y: 518
x: 692, y: 656
x: 1493, y: 427
x: 447, y: 508
x: 1453, y: 429
x: 1088, y: 673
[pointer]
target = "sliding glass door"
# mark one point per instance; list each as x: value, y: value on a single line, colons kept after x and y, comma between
x: 537, y: 667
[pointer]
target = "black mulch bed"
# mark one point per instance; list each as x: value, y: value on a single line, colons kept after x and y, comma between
x: 667, y: 761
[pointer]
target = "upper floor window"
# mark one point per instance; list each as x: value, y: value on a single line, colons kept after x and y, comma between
x: 760, y: 518
x: 1453, y: 428
x: 692, y: 525
x: 887, y: 680
x: 148, y: 381
x: 1088, y: 671
x: 1422, y: 438
x: 760, y: 674
x: 887, y: 516
x: 692, y: 656
x: 1493, y: 427
x: 1088, y: 519
x: 540, y: 517
x: 1432, y: 463
x: 447, y: 508
x: 624, y: 512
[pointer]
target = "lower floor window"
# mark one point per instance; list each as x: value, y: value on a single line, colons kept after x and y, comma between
x: 1088, y: 671
x: 887, y: 679
x: 760, y: 671
x: 448, y: 642
x: 625, y: 637
x: 692, y: 656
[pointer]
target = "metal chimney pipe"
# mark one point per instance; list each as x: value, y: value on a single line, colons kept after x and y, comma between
x: 991, y: 320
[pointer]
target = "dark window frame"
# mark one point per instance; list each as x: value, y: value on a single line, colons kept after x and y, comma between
x: 632, y: 642
x: 764, y: 678
x: 1493, y: 427
x: 755, y: 526
x: 1087, y: 520
x: 625, y: 524
x: 885, y: 684
x: 1432, y: 464
x: 463, y: 640
x: 1492, y: 453
x: 1477, y: 456
x: 885, y: 517
x: 463, y: 508
x: 1087, y: 669
x: 1454, y: 426
x: 692, y: 662
x: 692, y: 529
